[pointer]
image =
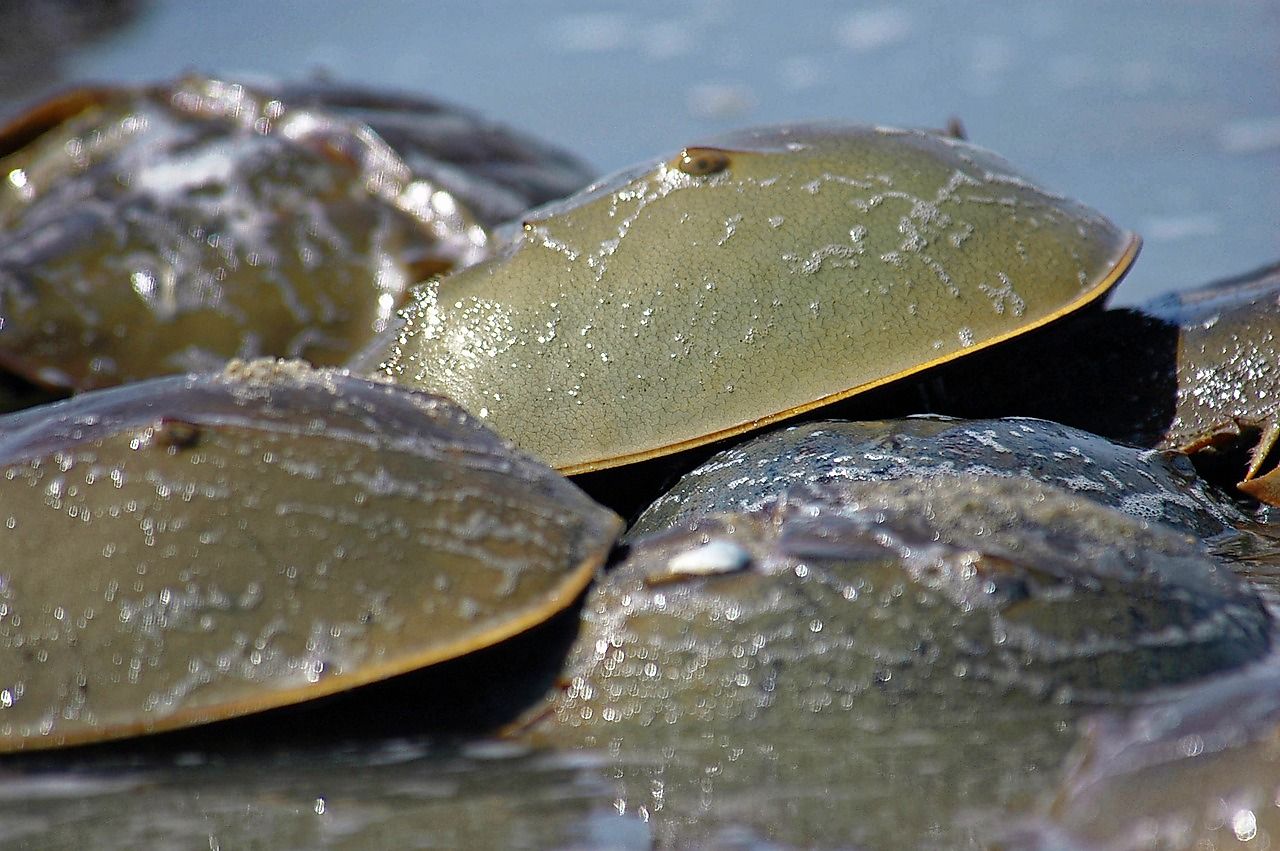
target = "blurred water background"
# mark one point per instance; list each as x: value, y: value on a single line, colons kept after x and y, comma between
x: 1164, y: 114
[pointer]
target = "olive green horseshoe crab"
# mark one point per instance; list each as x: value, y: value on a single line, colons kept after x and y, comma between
x: 746, y: 280
x: 163, y: 229
x: 189, y: 549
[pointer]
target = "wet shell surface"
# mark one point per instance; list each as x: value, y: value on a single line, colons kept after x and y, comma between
x: 1023, y: 580
x: 1197, y: 371
x: 1198, y: 770
x: 1145, y: 484
x: 157, y: 230
x: 913, y: 643
x: 189, y: 549
x: 1229, y: 371
x: 745, y: 280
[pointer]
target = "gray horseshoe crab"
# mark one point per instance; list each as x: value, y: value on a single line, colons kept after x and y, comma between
x: 1145, y: 484
x: 883, y: 656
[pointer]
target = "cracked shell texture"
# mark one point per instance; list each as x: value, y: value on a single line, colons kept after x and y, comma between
x: 922, y: 645
x: 797, y: 266
x: 193, y: 548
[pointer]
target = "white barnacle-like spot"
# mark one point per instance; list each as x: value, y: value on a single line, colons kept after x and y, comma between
x: 730, y: 228
x: 943, y: 276
x: 714, y: 557
x: 833, y: 255
x: 539, y: 235
x: 1014, y: 181
x: 836, y: 254
x: 957, y: 179
x: 1004, y: 297
x: 960, y: 234
x: 826, y: 177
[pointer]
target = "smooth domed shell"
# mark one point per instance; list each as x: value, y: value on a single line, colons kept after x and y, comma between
x: 1146, y: 484
x: 193, y: 548
x: 164, y: 229
x: 745, y: 280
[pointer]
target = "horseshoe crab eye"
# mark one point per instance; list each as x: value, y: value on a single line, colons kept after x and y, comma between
x: 175, y: 435
x: 701, y: 162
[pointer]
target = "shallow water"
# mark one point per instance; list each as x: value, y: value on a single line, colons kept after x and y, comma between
x: 396, y: 794
x: 412, y: 793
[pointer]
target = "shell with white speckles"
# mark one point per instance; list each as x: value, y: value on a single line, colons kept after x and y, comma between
x: 189, y: 549
x: 1146, y: 484
x: 755, y: 277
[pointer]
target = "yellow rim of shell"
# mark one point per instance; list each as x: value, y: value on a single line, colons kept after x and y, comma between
x: 1117, y: 271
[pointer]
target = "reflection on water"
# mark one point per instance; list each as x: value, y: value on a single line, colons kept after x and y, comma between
x: 1201, y: 771
x: 398, y: 794
x: 701, y: 791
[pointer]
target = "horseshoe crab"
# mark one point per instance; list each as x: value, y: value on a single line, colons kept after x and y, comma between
x: 1197, y: 371
x: 891, y: 640
x: 743, y: 281
x: 1144, y: 484
x: 189, y: 549
x: 1229, y: 372
x: 164, y: 229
